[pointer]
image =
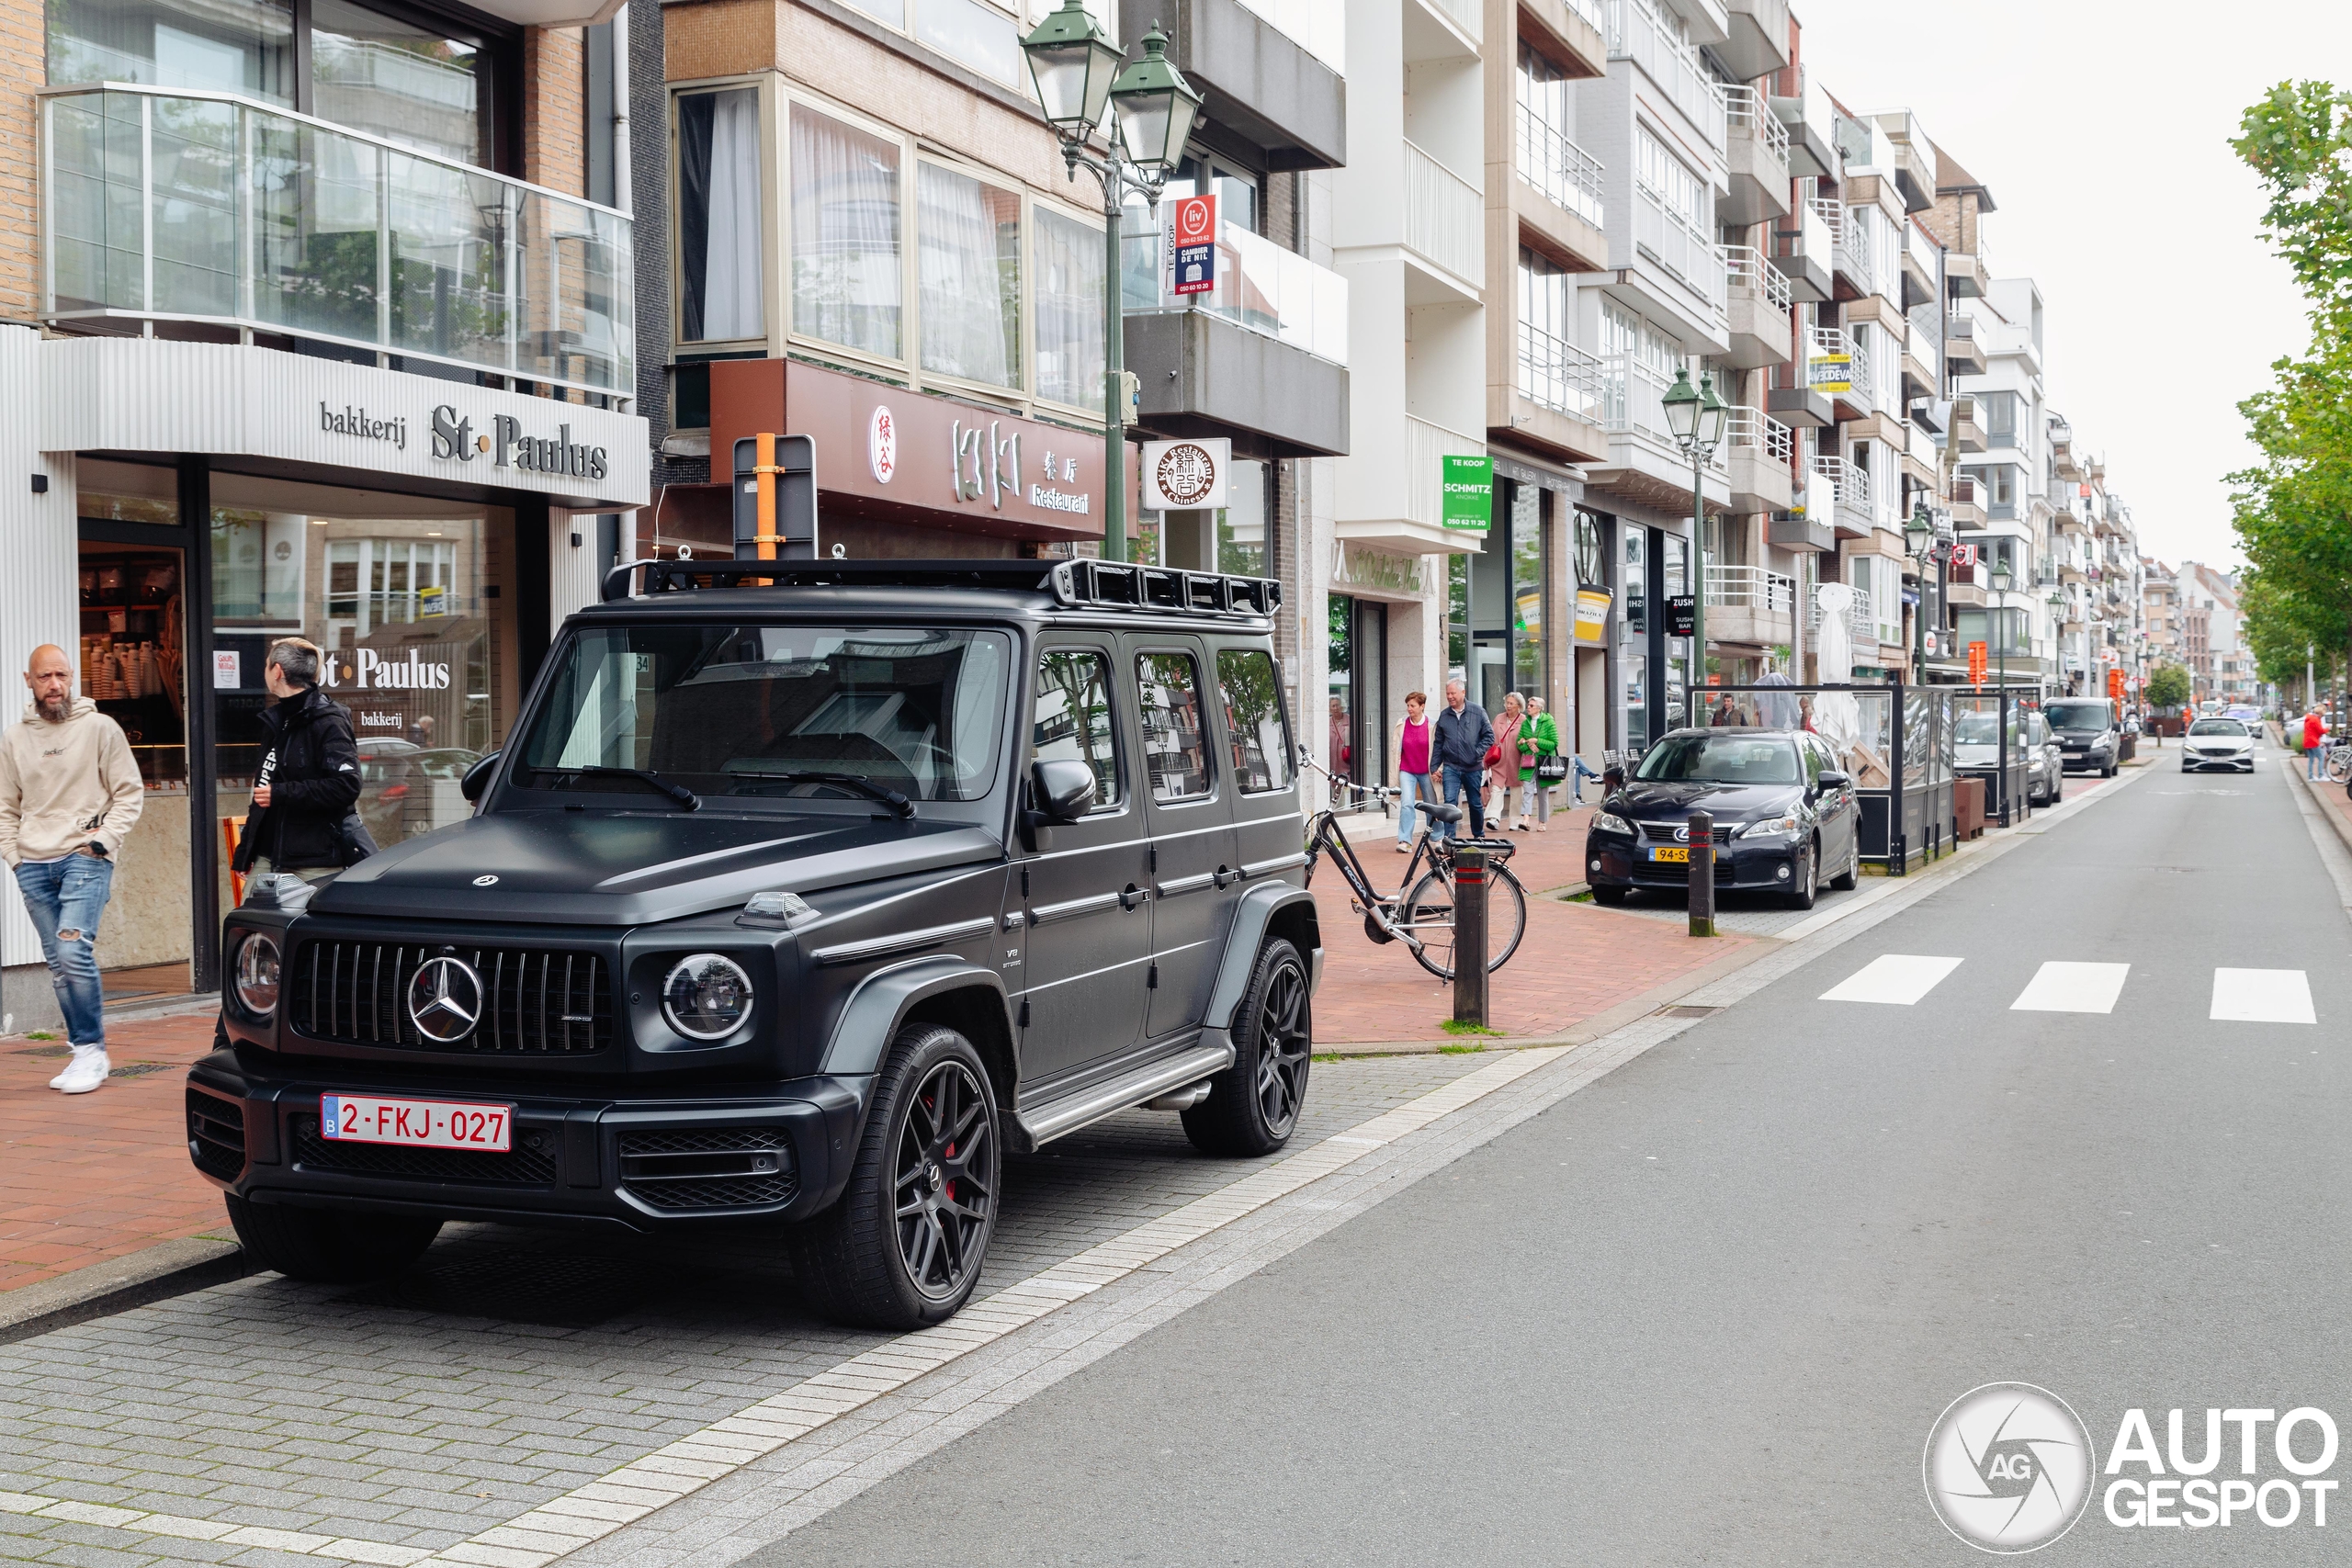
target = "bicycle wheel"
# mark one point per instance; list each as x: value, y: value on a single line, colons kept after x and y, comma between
x: 2340, y: 763
x: 1430, y: 912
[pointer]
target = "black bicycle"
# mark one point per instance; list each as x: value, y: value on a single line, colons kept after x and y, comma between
x: 1420, y: 912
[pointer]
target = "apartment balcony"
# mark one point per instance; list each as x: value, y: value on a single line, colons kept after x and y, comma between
x: 1644, y: 464
x: 1761, y: 448
x: 1440, y: 30
x: 163, y: 205
x: 1861, y: 623
x: 1963, y: 350
x: 1802, y: 249
x: 1757, y: 305
x: 1757, y: 41
x: 1556, y: 400
x: 1914, y: 160
x: 2068, y: 518
x: 1274, y: 72
x: 1828, y: 346
x: 1636, y: 32
x: 1445, y: 229
x: 1921, y: 357
x: 1967, y: 431
x: 1967, y: 273
x: 1849, y: 262
x: 1968, y: 499
x: 1813, y: 138
x: 1848, y: 490
x: 1751, y: 606
x: 1404, y: 513
x: 1691, y: 257
x: 1922, y: 265
x: 1758, y: 154
x: 1564, y: 182
x: 1577, y: 29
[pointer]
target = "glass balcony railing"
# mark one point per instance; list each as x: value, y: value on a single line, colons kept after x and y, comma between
x: 1260, y: 285
x: 167, y: 205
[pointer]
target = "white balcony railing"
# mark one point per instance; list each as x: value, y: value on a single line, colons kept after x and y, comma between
x: 1427, y: 446
x: 1745, y: 109
x: 1752, y: 429
x: 1750, y: 588
x: 1632, y: 402
x: 1444, y: 217
x: 1848, y: 485
x: 1464, y: 13
x: 165, y: 204
x: 1557, y: 374
x: 1591, y: 11
x: 1260, y: 285
x: 1683, y: 250
x: 1861, y: 618
x: 1638, y: 33
x: 1746, y: 267
x: 1566, y: 174
x: 1925, y: 322
x: 1318, y: 27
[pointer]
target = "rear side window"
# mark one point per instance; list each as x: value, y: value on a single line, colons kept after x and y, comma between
x: 1073, y: 721
x: 1253, y: 718
x: 1175, y: 738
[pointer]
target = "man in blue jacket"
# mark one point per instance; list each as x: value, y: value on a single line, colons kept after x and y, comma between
x: 1458, y: 749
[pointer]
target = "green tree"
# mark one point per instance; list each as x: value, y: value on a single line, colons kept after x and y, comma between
x: 2169, y: 687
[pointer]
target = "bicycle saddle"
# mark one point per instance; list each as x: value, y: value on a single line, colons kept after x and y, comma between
x: 1442, y: 813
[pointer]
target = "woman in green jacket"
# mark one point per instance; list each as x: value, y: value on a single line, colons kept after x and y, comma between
x: 1538, y: 738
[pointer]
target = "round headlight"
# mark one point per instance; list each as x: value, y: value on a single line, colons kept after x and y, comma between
x: 257, y: 973
x: 706, y: 997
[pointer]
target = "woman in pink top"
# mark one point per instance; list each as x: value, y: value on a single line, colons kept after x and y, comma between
x: 1412, y: 766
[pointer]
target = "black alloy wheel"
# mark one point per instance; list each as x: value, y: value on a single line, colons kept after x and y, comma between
x: 904, y: 1246
x: 1252, y: 1107
x: 1848, y: 879
x: 1805, y: 876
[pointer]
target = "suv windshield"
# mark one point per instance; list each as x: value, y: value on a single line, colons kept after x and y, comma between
x: 1720, y: 759
x: 2217, y: 727
x: 2078, y: 717
x: 750, y: 712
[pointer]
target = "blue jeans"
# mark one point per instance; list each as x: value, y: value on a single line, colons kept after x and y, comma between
x: 1581, y: 774
x: 2316, y: 761
x: 1461, y: 781
x: 65, y: 899
x: 1411, y: 788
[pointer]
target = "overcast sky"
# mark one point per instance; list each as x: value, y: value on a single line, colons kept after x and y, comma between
x: 2102, y: 130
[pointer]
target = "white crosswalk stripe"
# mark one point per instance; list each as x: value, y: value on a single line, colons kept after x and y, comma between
x: 1899, y: 979
x: 2262, y: 995
x: 2063, y: 987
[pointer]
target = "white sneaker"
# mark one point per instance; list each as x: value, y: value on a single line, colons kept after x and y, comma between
x: 88, y: 1071
x: 65, y: 1072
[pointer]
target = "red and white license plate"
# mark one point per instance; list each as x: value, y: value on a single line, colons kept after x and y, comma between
x: 420, y: 1123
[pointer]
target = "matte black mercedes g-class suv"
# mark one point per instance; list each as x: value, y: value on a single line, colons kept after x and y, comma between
x: 800, y: 896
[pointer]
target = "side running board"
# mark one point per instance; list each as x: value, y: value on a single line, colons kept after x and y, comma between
x: 1041, y: 1125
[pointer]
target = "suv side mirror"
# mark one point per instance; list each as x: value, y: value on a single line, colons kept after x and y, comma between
x: 477, y: 777
x: 1063, y: 789
x: 1831, y: 778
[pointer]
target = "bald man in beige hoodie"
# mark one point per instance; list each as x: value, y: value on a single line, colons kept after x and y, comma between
x: 69, y: 793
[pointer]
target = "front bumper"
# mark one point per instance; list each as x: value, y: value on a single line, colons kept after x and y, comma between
x: 2232, y: 762
x: 2096, y: 758
x: 1740, y: 865
x: 780, y: 1154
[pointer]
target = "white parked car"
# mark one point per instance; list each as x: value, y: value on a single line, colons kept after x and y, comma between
x: 2217, y: 743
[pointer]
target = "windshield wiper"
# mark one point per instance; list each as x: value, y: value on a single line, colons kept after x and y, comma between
x: 679, y: 793
x: 858, y: 782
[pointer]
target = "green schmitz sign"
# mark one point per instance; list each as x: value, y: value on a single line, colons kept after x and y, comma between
x: 1469, y: 493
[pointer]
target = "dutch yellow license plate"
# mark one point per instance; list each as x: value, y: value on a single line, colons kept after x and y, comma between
x: 1670, y: 851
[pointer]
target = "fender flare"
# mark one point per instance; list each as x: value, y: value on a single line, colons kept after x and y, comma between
x: 1250, y: 918
x: 870, y: 1018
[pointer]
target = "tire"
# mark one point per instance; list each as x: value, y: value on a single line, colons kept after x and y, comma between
x: 1848, y: 879
x: 1808, y: 879
x: 2058, y: 787
x: 328, y: 1247
x: 1253, y: 1105
x: 874, y: 1261
x: 1612, y: 898
x: 1431, y: 904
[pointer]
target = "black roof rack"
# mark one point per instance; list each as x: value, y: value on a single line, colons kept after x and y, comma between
x: 1108, y: 584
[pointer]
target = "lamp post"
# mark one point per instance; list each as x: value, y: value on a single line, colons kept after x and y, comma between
x: 1696, y: 416
x: 1076, y: 71
x: 2001, y: 627
x: 1919, y: 535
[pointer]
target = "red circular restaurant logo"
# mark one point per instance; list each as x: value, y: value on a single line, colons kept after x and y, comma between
x: 1187, y: 474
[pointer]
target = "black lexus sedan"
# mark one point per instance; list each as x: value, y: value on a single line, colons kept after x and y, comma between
x: 1784, y: 816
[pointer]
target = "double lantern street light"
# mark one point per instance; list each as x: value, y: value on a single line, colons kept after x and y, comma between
x: 1696, y: 417
x: 1078, y: 72
x: 1919, y: 535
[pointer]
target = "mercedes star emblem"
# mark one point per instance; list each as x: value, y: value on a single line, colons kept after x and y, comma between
x: 444, y: 1000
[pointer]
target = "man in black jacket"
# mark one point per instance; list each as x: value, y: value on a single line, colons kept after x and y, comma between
x: 1458, y: 750
x: 308, y: 780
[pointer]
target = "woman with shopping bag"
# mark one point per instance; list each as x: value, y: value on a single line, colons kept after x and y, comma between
x: 1502, y: 759
x: 1540, y: 766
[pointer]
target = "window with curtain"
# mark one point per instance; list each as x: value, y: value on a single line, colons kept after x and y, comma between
x: 967, y: 271
x: 720, y: 216
x: 845, y: 268
x: 1067, y: 291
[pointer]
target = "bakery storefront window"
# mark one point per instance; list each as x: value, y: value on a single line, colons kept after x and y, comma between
x: 404, y: 595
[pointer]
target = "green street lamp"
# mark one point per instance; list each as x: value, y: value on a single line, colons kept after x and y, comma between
x: 1076, y: 71
x: 1696, y: 417
x: 1919, y: 536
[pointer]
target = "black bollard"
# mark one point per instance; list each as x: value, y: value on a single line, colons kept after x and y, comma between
x: 1703, y: 874
x: 1470, y: 935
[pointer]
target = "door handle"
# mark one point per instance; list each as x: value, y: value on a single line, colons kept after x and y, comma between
x: 1132, y: 898
x: 1221, y: 876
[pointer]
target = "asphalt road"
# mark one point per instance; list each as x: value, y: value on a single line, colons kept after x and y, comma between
x: 1708, y: 1309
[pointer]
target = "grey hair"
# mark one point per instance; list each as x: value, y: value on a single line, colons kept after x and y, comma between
x: 1453, y: 680
x: 296, y: 659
